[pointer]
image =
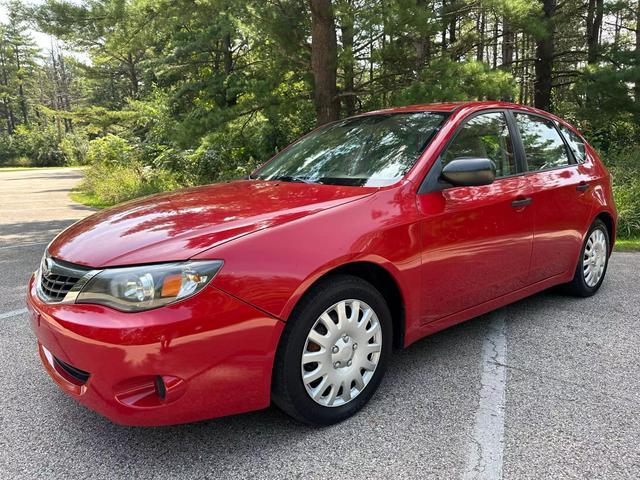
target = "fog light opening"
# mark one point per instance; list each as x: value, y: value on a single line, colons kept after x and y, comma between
x: 161, y: 388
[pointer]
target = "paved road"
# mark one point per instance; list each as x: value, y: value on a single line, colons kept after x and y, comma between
x: 545, y: 388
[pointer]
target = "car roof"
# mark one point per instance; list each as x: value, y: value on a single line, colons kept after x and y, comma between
x: 450, y: 106
x: 471, y: 105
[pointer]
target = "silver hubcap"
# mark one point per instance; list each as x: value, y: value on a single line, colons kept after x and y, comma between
x: 341, y: 353
x: 594, y: 258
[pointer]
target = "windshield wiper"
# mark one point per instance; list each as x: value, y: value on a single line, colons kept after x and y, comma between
x: 294, y: 178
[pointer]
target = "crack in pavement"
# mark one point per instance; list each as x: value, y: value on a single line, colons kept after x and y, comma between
x: 604, y: 392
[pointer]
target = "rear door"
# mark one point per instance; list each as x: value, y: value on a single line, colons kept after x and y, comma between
x: 560, y: 204
x: 476, y: 240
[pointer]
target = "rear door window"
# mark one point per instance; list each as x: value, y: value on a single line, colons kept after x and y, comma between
x: 543, y: 146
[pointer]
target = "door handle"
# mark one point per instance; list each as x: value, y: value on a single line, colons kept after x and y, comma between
x: 583, y: 186
x: 521, y: 202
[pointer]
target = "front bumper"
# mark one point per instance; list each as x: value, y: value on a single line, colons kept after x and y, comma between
x: 208, y: 356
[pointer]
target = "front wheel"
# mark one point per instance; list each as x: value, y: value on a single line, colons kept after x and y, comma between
x: 333, y: 352
x: 592, y: 265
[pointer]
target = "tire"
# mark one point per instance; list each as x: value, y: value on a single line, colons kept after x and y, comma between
x: 580, y: 286
x: 333, y: 402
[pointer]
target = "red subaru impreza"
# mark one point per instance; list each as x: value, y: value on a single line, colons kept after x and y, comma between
x: 294, y: 284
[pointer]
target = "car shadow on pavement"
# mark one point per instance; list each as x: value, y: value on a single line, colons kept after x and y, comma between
x: 423, y: 409
x: 56, y: 175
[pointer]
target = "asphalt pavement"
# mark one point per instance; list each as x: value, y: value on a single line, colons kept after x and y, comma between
x: 548, y: 387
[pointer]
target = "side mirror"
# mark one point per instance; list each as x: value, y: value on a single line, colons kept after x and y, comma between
x: 469, y: 172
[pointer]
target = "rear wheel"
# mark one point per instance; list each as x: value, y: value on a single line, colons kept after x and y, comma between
x: 333, y: 352
x: 593, y: 262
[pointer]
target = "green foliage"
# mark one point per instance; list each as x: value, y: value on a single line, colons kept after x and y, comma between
x: 110, y: 150
x: 448, y: 80
x: 624, y: 165
x: 74, y: 148
x: 41, y: 146
x: 116, y: 172
x: 111, y: 184
x: 168, y: 93
x: 8, y: 150
x: 627, y: 194
x: 628, y: 244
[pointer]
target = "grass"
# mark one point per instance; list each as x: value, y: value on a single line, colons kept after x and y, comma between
x: 87, y: 199
x: 628, y: 244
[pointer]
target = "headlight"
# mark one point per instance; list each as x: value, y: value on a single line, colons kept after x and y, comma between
x: 133, y: 289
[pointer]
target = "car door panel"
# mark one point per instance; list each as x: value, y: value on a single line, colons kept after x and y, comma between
x: 476, y: 245
x: 560, y: 204
x: 561, y: 216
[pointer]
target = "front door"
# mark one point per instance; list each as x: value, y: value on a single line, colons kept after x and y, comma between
x: 476, y: 241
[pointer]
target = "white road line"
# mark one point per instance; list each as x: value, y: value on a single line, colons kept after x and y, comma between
x: 487, y: 444
x: 13, y: 313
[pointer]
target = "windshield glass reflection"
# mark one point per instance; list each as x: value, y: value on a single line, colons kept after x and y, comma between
x: 372, y: 151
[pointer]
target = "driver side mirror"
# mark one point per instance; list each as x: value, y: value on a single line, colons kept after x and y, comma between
x: 469, y: 172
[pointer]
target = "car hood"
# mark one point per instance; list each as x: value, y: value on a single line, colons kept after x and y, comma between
x: 176, y: 226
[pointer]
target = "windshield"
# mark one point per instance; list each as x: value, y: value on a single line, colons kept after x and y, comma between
x: 372, y: 151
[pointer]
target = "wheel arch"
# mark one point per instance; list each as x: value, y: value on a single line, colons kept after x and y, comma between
x: 383, y: 280
x: 607, y: 219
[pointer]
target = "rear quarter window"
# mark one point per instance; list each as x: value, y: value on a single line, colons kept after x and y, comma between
x: 576, y: 144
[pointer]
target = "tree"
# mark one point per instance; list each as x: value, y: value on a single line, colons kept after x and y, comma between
x: 544, y: 58
x: 324, y: 58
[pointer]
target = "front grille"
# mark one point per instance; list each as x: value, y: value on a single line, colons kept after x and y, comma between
x: 57, y: 278
x: 56, y: 287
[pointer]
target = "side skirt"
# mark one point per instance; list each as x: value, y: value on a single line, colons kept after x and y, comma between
x: 459, y: 317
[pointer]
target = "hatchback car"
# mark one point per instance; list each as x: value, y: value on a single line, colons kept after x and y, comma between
x: 294, y: 284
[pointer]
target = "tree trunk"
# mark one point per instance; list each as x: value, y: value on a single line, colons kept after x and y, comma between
x: 507, y: 45
x: 637, y: 52
x: 56, y: 99
x: 495, y: 44
x: 480, y: 25
x: 230, y: 100
x: 324, y: 61
x: 21, y: 95
x: 544, y: 60
x: 346, y: 27
x: 11, y: 124
x: 444, y: 26
x: 595, y: 11
x: 133, y: 75
x: 228, y: 54
x: 64, y: 87
x: 422, y: 45
x: 453, y: 26
x: 519, y: 52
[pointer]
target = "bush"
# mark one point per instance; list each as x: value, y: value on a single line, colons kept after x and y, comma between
x: 117, y: 173
x: 625, y: 167
x: 40, y: 146
x: 74, y: 147
x: 110, y: 150
x: 7, y: 150
x: 110, y: 185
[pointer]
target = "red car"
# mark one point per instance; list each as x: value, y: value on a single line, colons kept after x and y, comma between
x: 294, y: 284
